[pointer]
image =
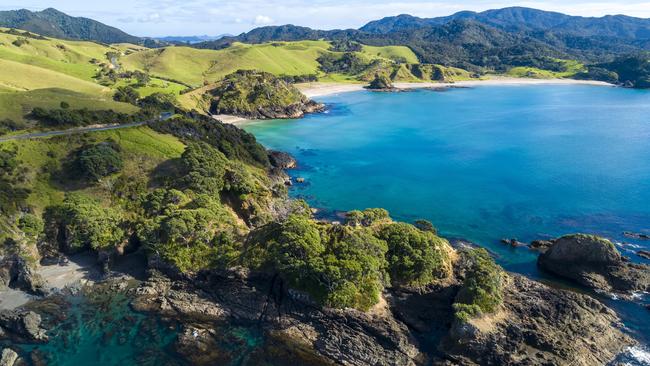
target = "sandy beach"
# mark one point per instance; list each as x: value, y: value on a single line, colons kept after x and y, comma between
x: 319, y: 89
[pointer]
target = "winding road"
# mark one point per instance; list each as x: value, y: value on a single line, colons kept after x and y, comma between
x: 70, y: 131
x: 115, y: 126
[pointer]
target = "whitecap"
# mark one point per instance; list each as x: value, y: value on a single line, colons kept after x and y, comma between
x: 638, y: 354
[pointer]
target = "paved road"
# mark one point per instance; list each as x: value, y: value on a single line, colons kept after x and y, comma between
x: 70, y: 131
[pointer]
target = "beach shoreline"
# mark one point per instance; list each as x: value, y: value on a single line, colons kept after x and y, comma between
x: 321, y: 89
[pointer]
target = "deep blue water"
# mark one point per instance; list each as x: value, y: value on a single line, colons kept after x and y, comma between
x: 491, y: 162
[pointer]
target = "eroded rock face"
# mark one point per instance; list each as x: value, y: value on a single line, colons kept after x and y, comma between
x: 16, y: 273
x: 324, y: 336
x: 594, y: 262
x: 539, y: 325
x: 282, y: 160
x: 22, y: 326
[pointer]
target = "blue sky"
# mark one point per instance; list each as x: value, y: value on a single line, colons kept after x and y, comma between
x: 212, y: 17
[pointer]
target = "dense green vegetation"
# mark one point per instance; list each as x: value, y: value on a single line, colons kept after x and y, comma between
x: 94, y: 162
x: 381, y: 82
x: 248, y: 93
x: 481, y: 292
x: 632, y: 71
x: 415, y: 257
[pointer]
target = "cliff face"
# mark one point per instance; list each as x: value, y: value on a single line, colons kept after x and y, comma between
x: 260, y: 95
x: 536, y: 325
x: 596, y: 263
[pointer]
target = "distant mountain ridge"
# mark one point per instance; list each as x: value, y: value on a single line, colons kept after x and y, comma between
x: 53, y: 23
x: 526, y: 19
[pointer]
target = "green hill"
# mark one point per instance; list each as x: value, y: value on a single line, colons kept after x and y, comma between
x: 53, y: 23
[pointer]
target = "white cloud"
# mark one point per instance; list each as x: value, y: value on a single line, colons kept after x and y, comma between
x: 262, y: 20
x: 151, y: 18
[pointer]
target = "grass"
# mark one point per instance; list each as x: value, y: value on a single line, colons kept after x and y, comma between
x: 67, y: 57
x: 15, y: 105
x: 197, y: 67
x: 194, y: 66
x: 571, y: 67
x: 143, y: 150
x: 20, y: 76
x: 395, y: 53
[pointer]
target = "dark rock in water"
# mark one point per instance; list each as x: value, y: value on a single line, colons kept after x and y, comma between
x: 16, y: 273
x: 513, y: 242
x: 540, y: 245
x: 22, y: 325
x: 596, y: 263
x: 539, y: 325
x: 333, y: 336
x: 638, y: 236
x: 282, y: 160
x: 8, y: 357
x: 643, y: 254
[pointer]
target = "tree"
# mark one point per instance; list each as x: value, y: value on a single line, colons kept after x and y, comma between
x: 81, y: 223
x: 98, y: 161
x: 482, y: 290
x: 415, y: 257
x: 204, y: 168
x: 126, y: 94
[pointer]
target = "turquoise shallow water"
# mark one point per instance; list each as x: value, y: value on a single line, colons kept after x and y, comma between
x: 491, y: 162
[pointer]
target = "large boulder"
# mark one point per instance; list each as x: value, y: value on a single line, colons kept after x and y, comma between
x: 22, y: 326
x: 594, y: 262
x: 8, y: 357
x: 539, y: 325
x: 16, y: 273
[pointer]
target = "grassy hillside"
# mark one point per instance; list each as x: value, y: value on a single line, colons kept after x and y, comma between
x: 141, y: 147
x: 67, y: 57
x: 14, y: 105
x: 196, y: 66
x: 396, y: 53
x: 20, y: 76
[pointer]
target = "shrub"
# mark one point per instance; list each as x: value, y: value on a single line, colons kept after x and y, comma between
x: 126, y: 94
x: 415, y: 257
x: 482, y: 291
x: 204, y: 168
x: 95, y: 162
x: 83, y: 223
x: 30, y: 224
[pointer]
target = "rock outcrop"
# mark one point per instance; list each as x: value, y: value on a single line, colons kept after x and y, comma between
x: 16, y: 273
x: 8, y: 357
x: 538, y: 325
x: 596, y: 263
x: 324, y: 336
x: 260, y: 95
x: 21, y: 326
x: 282, y: 160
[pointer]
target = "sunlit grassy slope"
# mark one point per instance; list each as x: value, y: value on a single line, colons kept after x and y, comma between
x: 397, y: 53
x: 142, y: 150
x: 15, y: 105
x: 194, y: 66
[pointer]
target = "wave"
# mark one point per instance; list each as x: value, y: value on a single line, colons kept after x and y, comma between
x: 634, y: 356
